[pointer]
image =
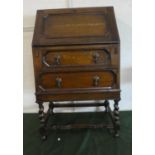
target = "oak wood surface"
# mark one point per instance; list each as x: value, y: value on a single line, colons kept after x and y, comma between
x: 76, y: 56
x: 104, y: 56
x: 75, y: 26
x: 78, y: 64
x: 104, y: 79
x: 78, y: 96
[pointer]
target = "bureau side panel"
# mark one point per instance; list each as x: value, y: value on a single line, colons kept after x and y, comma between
x: 36, y: 64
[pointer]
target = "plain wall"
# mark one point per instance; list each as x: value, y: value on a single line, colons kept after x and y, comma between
x: 123, y: 12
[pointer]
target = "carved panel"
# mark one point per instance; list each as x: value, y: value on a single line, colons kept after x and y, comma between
x: 84, y: 25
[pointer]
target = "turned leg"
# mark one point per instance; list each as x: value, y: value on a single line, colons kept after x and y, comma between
x: 49, y: 113
x: 106, y: 104
x: 42, y: 128
x: 116, y: 118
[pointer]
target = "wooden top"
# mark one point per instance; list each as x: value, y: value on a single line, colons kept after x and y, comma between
x: 75, y: 27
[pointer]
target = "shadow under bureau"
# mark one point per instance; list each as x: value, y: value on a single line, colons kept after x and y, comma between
x: 76, y: 55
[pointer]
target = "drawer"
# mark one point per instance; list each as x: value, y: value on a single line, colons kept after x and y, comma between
x: 104, y: 56
x: 105, y: 79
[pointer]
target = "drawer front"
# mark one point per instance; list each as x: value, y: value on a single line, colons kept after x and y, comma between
x: 104, y: 79
x: 105, y: 56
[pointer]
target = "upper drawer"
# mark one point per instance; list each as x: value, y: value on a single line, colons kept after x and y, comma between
x: 60, y: 58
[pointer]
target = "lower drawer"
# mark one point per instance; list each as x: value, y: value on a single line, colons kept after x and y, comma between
x: 105, y: 79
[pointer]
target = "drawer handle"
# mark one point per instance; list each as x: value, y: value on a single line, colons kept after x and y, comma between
x: 96, y: 80
x: 96, y: 57
x: 57, y: 60
x: 58, y: 82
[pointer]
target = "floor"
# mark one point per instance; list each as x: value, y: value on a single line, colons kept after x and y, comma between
x: 78, y: 141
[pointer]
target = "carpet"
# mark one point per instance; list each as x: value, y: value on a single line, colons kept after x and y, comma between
x: 77, y: 141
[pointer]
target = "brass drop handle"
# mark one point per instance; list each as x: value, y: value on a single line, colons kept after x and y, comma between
x: 57, y: 60
x: 96, y: 57
x: 58, y: 82
x: 96, y: 80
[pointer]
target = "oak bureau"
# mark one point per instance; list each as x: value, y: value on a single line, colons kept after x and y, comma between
x: 76, y: 55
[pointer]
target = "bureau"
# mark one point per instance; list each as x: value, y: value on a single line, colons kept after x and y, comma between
x: 76, y: 55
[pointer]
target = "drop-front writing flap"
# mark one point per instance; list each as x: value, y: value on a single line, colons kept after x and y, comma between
x: 75, y: 26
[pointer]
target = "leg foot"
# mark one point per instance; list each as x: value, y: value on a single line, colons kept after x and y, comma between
x: 116, y: 134
x: 43, y: 138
